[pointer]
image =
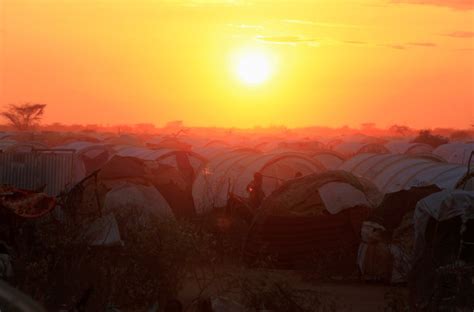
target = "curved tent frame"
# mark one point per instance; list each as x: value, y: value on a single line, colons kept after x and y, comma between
x: 164, y: 156
x: 456, y: 153
x: 408, y: 148
x: 331, y: 160
x: 233, y: 171
x: 393, y: 172
x: 355, y: 148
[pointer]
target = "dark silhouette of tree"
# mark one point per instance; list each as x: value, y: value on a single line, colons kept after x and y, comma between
x: 402, y: 130
x: 425, y: 136
x: 24, y: 116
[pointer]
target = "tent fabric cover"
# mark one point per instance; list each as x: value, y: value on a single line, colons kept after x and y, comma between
x: 441, y: 206
x: 302, y: 196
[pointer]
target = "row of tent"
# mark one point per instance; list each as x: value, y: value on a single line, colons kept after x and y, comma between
x: 346, y: 146
x: 213, y: 171
x: 315, y: 201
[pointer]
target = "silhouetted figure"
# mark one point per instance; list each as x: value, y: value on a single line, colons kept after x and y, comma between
x: 255, y: 190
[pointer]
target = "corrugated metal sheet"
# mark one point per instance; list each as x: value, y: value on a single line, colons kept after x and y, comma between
x: 35, y: 169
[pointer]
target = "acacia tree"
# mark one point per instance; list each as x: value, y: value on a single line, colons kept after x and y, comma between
x: 24, y: 116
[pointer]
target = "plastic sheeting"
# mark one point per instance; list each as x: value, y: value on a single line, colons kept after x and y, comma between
x: 391, y: 173
x: 354, y: 148
x: 330, y: 160
x: 103, y: 231
x: 441, y: 206
x: 233, y: 171
x: 338, y: 196
x: 456, y: 153
x: 407, y: 147
x: 138, y: 198
x: 163, y: 156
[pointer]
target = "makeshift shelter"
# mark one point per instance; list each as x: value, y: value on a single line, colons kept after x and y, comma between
x: 103, y: 231
x: 349, y: 149
x: 233, y: 171
x: 186, y: 161
x: 391, y: 173
x: 456, y: 153
x: 172, y: 183
x: 89, y: 155
x: 6, y: 144
x: 408, y: 148
x: 315, y: 214
x: 210, y: 152
x: 329, y: 159
x: 54, y: 170
x: 24, y: 147
x: 136, y: 200
x: 385, y: 252
x: 170, y: 143
x: 124, y: 139
x: 295, y: 145
x: 443, y: 265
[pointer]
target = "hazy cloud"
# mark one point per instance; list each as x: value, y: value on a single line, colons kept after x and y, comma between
x: 354, y: 42
x: 321, y: 24
x: 245, y: 26
x: 460, y: 34
x: 455, y: 4
x: 206, y: 3
x: 393, y: 46
x: 287, y: 40
x: 423, y: 44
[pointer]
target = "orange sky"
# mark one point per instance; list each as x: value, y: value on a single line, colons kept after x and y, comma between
x: 334, y: 62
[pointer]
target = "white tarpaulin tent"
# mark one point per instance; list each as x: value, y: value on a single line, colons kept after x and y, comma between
x: 129, y: 197
x: 233, y: 171
x: 391, y: 172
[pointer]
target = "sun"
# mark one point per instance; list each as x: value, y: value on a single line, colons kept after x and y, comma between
x: 253, y: 68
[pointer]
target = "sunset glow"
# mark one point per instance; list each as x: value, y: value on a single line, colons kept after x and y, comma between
x: 213, y: 62
x: 253, y: 68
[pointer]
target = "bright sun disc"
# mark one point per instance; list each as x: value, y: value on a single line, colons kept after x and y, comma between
x: 253, y: 68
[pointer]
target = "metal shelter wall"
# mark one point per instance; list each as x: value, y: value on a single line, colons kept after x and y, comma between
x: 35, y: 169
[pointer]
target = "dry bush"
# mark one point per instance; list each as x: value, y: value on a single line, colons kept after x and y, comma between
x: 150, y: 267
x: 396, y: 300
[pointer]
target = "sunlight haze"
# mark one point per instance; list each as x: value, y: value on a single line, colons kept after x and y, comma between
x: 328, y: 63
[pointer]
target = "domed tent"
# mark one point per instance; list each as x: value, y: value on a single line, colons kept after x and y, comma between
x: 318, y: 213
x: 442, y: 270
x: 391, y: 173
x: 124, y: 140
x: 184, y: 160
x: 329, y: 159
x: 138, y: 201
x: 210, y: 151
x: 296, y: 145
x: 169, y: 181
x: 91, y: 156
x: 349, y: 149
x: 408, y: 148
x: 24, y: 147
x: 169, y: 143
x: 6, y: 144
x: 455, y: 153
x: 233, y: 171
x: 387, y: 236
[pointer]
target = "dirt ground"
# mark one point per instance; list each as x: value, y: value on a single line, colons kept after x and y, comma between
x: 348, y: 295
